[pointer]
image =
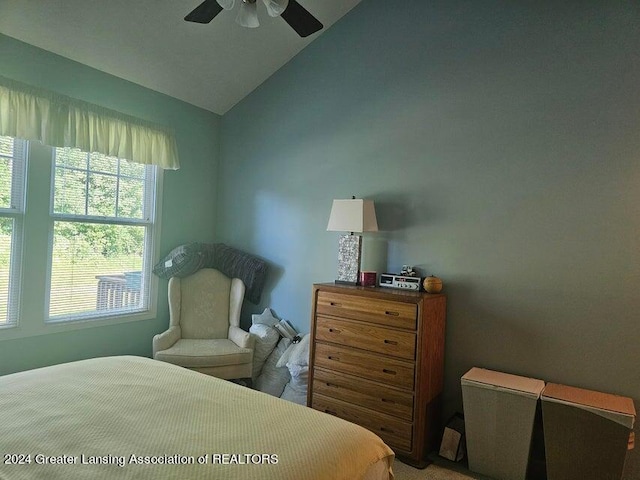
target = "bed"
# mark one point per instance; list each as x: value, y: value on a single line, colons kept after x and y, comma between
x: 135, y: 418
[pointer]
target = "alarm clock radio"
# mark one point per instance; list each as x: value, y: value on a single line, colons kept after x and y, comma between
x: 391, y: 280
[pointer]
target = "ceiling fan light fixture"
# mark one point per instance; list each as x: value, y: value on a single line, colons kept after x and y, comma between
x: 296, y: 16
x: 248, y: 14
x: 276, y: 7
x: 226, y: 4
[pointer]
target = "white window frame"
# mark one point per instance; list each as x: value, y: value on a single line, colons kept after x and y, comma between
x: 16, y: 212
x: 152, y: 195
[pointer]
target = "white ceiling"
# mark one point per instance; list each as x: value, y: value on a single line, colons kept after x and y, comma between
x: 147, y: 42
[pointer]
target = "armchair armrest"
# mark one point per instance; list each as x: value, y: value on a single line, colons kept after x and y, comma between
x: 240, y: 337
x: 164, y: 340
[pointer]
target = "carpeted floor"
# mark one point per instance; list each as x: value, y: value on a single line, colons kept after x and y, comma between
x: 441, y: 469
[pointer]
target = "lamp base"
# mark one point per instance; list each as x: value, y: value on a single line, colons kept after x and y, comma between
x: 349, y: 251
x: 345, y: 282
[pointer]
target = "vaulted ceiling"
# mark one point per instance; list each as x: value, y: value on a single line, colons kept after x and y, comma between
x: 147, y: 42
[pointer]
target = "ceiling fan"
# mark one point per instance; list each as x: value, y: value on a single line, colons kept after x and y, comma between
x: 291, y: 11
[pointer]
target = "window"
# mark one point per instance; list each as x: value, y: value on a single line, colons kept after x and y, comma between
x: 83, y: 247
x: 12, y: 180
x: 76, y: 239
x: 102, y: 211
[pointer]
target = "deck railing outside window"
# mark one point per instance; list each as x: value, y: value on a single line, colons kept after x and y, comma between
x: 118, y: 291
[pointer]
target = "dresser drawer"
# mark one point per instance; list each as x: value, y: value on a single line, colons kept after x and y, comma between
x: 394, y: 432
x: 363, y: 393
x: 393, y: 372
x: 396, y: 343
x: 374, y: 310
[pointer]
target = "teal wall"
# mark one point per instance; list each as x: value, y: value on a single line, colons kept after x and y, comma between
x: 500, y: 141
x: 188, y: 200
x: 501, y: 144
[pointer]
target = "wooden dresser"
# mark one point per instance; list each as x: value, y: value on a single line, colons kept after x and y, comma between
x: 377, y: 359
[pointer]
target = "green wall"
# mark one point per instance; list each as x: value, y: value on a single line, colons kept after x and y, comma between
x: 501, y: 144
x: 188, y: 196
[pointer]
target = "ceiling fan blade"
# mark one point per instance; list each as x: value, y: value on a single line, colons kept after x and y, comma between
x: 300, y: 19
x: 227, y: 4
x: 205, y: 12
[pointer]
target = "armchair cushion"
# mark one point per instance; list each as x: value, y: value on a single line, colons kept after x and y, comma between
x: 204, y: 311
x: 196, y: 353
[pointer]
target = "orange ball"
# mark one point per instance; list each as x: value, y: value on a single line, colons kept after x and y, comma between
x: 432, y: 284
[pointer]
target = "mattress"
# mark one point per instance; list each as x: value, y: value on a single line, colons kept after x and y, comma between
x: 136, y: 418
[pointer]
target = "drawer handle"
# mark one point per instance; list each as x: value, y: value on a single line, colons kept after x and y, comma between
x: 331, y: 357
x: 335, y: 304
x: 388, y: 430
x: 330, y: 412
x: 334, y: 330
x: 384, y: 400
x: 390, y: 372
x: 393, y: 314
x: 391, y: 342
x: 330, y: 384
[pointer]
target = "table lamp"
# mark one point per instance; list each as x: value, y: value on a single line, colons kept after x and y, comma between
x: 351, y: 215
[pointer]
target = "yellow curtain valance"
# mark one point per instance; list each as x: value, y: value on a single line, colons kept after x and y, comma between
x: 60, y: 121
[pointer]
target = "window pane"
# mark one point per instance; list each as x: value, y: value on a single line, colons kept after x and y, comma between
x: 71, y: 157
x: 70, y: 192
x: 96, y: 268
x: 101, y: 163
x: 131, y: 198
x: 102, y: 195
x: 131, y: 169
x: 6, y: 230
x: 12, y: 165
x: 6, y: 175
x: 6, y: 146
x: 110, y: 194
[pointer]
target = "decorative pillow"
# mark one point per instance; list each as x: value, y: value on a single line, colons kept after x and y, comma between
x: 182, y: 261
x: 266, y: 339
x: 296, y: 354
x: 296, y: 390
x: 265, y: 318
x: 273, y: 379
x: 191, y: 257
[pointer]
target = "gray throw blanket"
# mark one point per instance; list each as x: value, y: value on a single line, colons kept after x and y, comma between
x: 191, y: 257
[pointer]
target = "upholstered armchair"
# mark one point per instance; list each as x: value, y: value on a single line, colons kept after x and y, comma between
x: 204, y: 332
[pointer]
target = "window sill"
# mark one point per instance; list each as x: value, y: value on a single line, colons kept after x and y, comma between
x: 61, y: 326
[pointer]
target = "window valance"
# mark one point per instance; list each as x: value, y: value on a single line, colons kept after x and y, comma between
x: 59, y: 121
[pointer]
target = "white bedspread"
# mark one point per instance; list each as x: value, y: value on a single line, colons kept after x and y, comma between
x: 135, y: 418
